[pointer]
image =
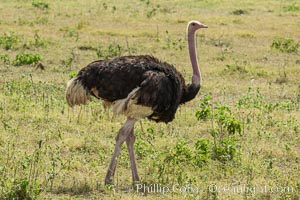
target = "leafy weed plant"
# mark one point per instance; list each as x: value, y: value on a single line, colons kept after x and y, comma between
x: 9, y: 40
x: 5, y: 59
x: 26, y: 59
x: 285, y: 45
x: 291, y: 8
x: 112, y: 50
x: 40, y: 4
x: 239, y: 12
x: 224, y: 128
x: 174, y: 161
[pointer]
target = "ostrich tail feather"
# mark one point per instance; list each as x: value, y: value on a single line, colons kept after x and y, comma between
x: 76, y: 93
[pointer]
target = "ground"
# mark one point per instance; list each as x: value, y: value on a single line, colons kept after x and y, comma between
x: 238, y: 139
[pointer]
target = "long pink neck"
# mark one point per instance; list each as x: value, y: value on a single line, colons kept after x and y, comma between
x: 196, y: 78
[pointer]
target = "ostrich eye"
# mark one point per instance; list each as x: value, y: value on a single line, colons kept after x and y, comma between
x: 193, y: 24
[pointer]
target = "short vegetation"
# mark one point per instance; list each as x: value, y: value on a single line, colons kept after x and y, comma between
x: 285, y: 45
x: 239, y: 135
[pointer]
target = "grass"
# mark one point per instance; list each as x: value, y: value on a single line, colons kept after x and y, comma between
x: 241, y: 132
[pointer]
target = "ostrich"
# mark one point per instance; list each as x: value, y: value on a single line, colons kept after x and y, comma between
x: 137, y: 87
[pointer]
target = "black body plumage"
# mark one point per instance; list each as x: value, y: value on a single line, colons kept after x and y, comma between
x: 162, y: 87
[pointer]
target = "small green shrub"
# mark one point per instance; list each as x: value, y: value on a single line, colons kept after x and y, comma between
x: 38, y: 41
x: 239, y: 12
x: 177, y: 44
x: 68, y: 62
x: 26, y: 59
x: 5, y: 59
x: 236, y: 68
x: 285, y: 45
x: 151, y: 12
x: 143, y: 144
x: 72, y: 74
x: 205, y: 108
x: 24, y: 182
x: 142, y: 149
x: 201, y: 153
x: 151, y: 9
x: 291, y: 8
x: 40, y: 4
x: 22, y: 189
x: 70, y: 32
x: 8, y: 40
x: 224, y: 128
x: 253, y: 99
x: 226, y: 121
x: 174, y: 161
x: 112, y: 50
x: 226, y: 150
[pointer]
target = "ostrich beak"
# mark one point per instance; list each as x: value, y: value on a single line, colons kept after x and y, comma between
x: 204, y: 26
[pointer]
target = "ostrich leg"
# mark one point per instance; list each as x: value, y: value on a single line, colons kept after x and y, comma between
x: 130, y: 142
x: 124, y: 132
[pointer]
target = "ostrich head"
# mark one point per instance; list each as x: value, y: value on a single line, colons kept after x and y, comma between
x: 193, y: 26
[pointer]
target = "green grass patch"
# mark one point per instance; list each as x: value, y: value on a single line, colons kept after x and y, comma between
x: 291, y: 8
x: 9, y: 40
x: 285, y: 45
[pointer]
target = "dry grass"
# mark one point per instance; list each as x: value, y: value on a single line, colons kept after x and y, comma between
x: 65, y: 152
